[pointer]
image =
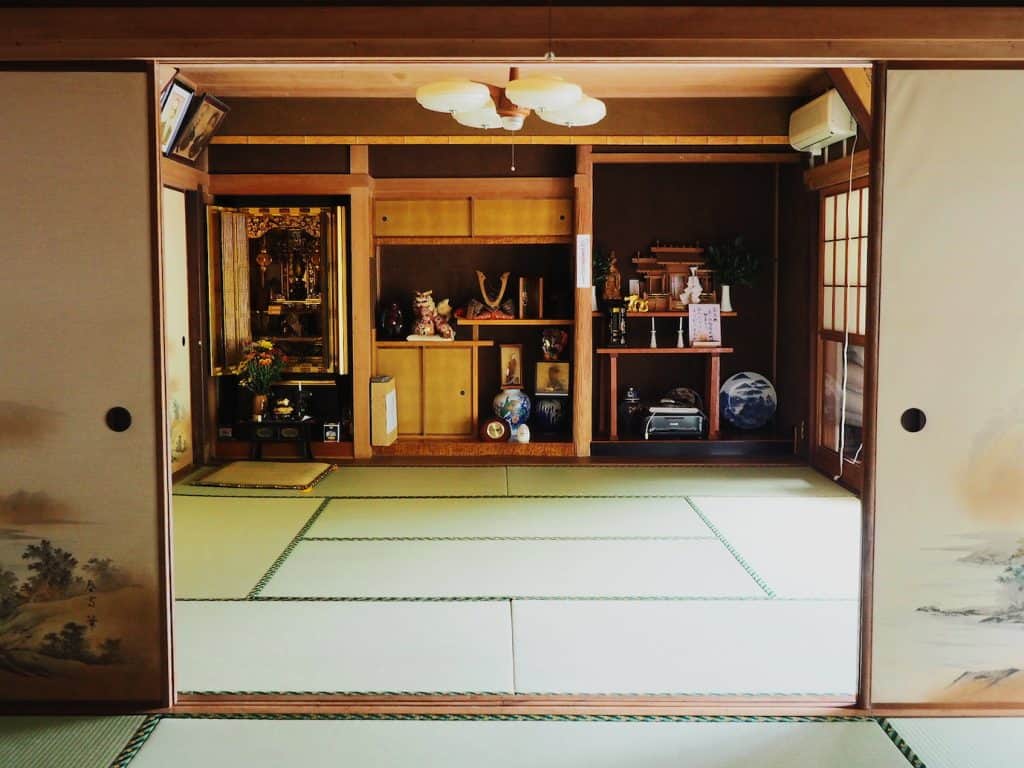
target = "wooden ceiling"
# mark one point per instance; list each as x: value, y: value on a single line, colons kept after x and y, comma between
x: 388, y: 80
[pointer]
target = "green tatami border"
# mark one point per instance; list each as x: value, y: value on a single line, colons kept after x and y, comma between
x: 506, y: 694
x: 266, y: 577
x: 506, y: 598
x: 904, y: 748
x: 136, y: 742
x: 732, y: 550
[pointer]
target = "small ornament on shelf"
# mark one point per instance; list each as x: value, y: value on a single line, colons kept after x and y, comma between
x: 431, y: 323
x: 680, y: 342
x: 654, y: 336
x: 613, y: 280
x: 552, y: 342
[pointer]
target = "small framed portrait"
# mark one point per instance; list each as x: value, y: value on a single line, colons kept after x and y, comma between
x: 173, y: 109
x: 511, y: 366
x: 203, y: 121
x: 552, y: 378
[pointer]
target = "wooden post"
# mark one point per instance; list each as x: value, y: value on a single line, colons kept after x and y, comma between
x: 362, y: 307
x: 714, y: 371
x: 583, y: 343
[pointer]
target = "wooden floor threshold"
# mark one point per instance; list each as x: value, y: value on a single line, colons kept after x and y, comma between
x: 215, y: 704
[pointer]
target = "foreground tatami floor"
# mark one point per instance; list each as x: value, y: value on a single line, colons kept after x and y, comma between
x: 508, y: 742
x: 522, y: 579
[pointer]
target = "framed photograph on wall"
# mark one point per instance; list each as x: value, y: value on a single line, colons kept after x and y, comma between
x: 173, y: 109
x: 203, y: 121
x: 511, y: 366
x: 552, y: 378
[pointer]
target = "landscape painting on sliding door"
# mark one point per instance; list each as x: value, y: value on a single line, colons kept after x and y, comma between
x: 949, y: 564
x: 81, y: 579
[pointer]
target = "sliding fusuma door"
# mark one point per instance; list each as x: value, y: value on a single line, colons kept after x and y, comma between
x: 948, y: 619
x: 82, y: 432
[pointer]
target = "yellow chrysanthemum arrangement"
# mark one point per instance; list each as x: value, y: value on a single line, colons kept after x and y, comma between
x: 261, y: 367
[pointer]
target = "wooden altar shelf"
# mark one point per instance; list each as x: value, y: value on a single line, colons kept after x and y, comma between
x: 713, y: 380
x: 678, y: 249
x: 517, y: 321
x: 673, y: 313
x: 435, y: 344
x: 711, y: 351
x: 476, y: 240
x: 414, y: 446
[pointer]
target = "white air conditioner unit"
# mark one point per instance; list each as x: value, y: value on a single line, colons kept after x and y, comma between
x: 824, y: 121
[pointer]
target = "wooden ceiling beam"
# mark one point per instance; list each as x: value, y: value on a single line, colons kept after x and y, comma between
x: 854, y: 86
x: 493, y: 33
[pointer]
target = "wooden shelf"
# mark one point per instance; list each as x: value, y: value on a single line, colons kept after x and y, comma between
x: 516, y: 321
x: 434, y: 344
x: 664, y: 351
x: 676, y: 249
x: 673, y: 313
x: 479, y: 240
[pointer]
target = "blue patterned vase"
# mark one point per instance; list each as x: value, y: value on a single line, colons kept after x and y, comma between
x: 513, y: 406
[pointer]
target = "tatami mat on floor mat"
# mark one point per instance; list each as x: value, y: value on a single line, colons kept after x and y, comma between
x: 289, y: 475
x: 717, y: 647
x: 64, y: 742
x: 222, y: 547
x: 382, y: 518
x: 532, y: 568
x: 378, y: 482
x: 668, y: 481
x: 359, y: 647
x: 969, y: 742
x: 513, y: 744
x: 801, y: 547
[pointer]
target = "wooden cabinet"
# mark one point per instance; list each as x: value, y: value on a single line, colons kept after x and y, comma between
x: 448, y: 391
x: 405, y: 366
x: 435, y: 384
x: 418, y: 218
x: 542, y: 217
x: 474, y: 217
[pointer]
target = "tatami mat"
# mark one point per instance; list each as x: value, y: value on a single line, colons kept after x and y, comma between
x: 713, y: 647
x: 347, y: 481
x: 64, y: 742
x: 357, y: 647
x: 532, y: 568
x: 291, y: 475
x: 668, y: 481
x: 804, y: 547
x: 969, y: 742
x: 383, y: 518
x: 514, y: 743
x: 222, y: 547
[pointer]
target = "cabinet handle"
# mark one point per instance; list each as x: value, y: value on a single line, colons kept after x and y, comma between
x: 462, y: 392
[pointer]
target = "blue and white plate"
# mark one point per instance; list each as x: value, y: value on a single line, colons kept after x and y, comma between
x: 748, y: 400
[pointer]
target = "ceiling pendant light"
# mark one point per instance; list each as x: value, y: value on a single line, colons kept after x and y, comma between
x: 586, y: 111
x: 453, y: 95
x: 543, y: 92
x: 478, y: 105
x: 486, y: 117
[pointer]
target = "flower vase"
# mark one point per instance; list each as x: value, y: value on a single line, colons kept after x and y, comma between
x: 259, y: 406
x: 726, y: 299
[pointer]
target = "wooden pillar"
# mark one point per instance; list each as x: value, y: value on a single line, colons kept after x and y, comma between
x: 362, y: 304
x: 583, y: 343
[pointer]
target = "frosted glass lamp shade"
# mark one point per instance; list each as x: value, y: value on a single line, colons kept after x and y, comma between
x: 586, y: 111
x: 485, y: 117
x: 543, y: 92
x: 453, y: 96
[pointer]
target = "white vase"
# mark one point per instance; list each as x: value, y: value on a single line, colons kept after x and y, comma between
x: 726, y: 299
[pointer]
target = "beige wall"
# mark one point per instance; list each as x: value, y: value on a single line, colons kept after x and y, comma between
x: 948, y: 616
x: 78, y: 315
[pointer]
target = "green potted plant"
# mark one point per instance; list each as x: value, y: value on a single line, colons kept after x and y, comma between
x: 733, y: 264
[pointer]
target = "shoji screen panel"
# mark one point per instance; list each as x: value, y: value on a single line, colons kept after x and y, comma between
x: 948, y: 578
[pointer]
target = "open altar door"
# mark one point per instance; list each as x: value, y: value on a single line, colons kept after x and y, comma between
x: 83, y: 470
x: 949, y: 474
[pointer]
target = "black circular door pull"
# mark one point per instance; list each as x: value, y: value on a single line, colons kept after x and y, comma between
x: 119, y: 419
x: 913, y: 419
